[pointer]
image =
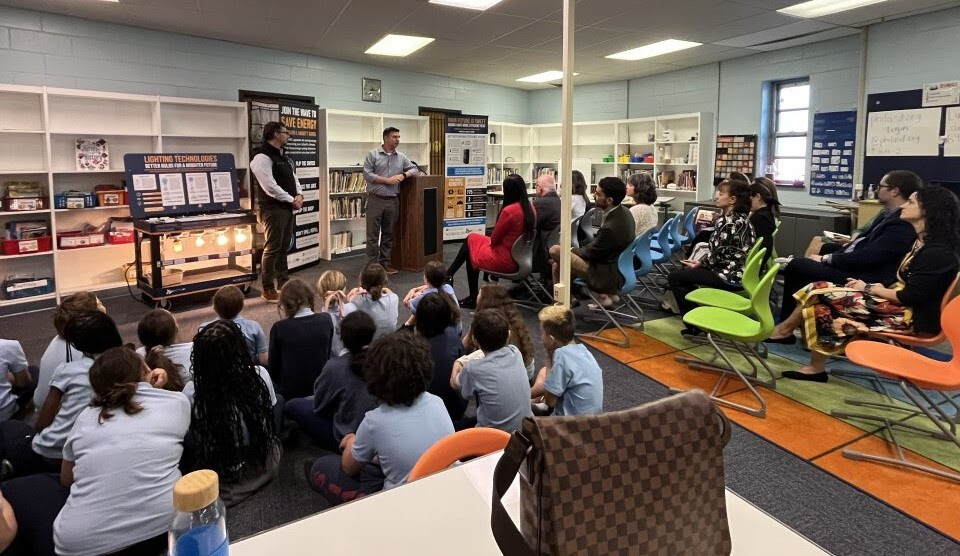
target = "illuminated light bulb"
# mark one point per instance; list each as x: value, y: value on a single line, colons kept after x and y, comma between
x: 177, y: 245
x: 199, y: 241
x: 240, y: 235
x: 221, y: 239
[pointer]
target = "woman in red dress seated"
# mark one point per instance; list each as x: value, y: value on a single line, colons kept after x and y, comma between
x: 492, y: 253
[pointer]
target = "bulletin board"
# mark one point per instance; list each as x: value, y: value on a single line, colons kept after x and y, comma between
x: 169, y: 184
x: 735, y: 153
x: 832, y: 153
x: 941, y: 164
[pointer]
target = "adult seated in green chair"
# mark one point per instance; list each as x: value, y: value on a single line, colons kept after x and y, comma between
x: 764, y: 209
x: 740, y: 302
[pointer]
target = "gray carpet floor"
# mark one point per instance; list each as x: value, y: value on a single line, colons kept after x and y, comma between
x: 833, y: 514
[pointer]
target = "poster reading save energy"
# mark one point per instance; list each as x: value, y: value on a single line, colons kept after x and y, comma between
x: 465, y: 177
x: 303, y: 149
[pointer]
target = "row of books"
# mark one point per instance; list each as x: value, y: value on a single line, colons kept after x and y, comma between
x: 542, y: 171
x: 685, y: 181
x: 348, y: 207
x: 347, y: 182
x: 342, y: 242
x: 625, y: 174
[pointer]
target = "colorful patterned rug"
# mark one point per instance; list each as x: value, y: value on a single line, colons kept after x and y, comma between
x: 799, y: 420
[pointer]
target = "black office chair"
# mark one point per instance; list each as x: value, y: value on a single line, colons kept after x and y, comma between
x: 522, y: 253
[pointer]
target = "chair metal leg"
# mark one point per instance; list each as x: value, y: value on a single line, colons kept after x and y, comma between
x: 625, y: 343
x: 930, y: 409
x: 730, y: 371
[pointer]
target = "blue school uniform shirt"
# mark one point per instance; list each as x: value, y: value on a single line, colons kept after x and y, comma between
x: 576, y: 380
x: 447, y: 289
x: 500, y: 383
x: 252, y: 333
x: 398, y: 435
x: 12, y: 360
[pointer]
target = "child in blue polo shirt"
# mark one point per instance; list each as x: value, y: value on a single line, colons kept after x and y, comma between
x: 572, y: 382
x: 228, y: 303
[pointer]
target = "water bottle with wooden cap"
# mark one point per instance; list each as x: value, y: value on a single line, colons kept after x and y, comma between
x: 200, y: 523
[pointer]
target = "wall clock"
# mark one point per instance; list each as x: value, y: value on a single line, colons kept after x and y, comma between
x: 371, y: 89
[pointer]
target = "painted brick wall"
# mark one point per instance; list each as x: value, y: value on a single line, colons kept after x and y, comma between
x: 677, y: 92
x: 593, y: 102
x: 906, y: 53
x: 46, y: 49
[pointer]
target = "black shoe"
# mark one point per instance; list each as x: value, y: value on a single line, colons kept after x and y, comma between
x: 691, y: 331
x: 788, y: 341
x: 797, y: 375
x: 468, y: 303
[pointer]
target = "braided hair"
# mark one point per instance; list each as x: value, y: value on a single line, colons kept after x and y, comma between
x: 232, y: 414
x: 114, y: 377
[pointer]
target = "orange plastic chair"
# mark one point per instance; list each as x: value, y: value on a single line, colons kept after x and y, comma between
x: 478, y: 441
x: 914, y: 373
x: 914, y: 340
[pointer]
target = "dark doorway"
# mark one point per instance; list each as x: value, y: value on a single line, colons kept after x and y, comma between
x: 438, y: 125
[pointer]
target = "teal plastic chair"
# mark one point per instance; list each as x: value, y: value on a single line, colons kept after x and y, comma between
x: 625, y: 267
x: 688, y: 225
x: 642, y: 253
x: 738, y: 331
x: 740, y: 302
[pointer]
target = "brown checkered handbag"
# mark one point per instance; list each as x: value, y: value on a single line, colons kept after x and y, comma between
x: 648, y: 480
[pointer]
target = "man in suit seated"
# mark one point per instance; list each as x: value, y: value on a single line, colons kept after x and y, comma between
x: 547, y: 203
x: 597, y: 262
x: 872, y: 257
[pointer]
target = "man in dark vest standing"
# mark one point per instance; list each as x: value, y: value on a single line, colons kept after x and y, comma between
x: 279, y: 196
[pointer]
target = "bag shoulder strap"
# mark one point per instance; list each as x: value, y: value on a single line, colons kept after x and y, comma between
x: 505, y: 531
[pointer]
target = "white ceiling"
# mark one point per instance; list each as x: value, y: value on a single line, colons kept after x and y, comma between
x: 512, y: 39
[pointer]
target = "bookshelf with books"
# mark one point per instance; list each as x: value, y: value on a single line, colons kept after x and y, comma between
x: 346, y: 137
x: 74, y: 141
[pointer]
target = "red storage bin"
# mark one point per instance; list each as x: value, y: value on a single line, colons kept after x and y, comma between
x: 16, y: 204
x: 120, y: 236
x: 22, y: 246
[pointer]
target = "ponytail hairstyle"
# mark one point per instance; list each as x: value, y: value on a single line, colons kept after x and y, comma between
x: 295, y: 295
x: 357, y: 331
x: 157, y: 359
x: 331, y: 281
x: 114, y: 377
x: 767, y: 190
x: 373, y: 278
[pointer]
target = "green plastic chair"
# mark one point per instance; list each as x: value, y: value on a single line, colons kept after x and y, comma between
x: 739, y: 331
x: 740, y: 302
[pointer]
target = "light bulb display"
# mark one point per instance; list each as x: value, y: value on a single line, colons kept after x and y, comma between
x: 221, y: 239
x: 199, y: 241
x: 177, y: 246
x: 240, y: 235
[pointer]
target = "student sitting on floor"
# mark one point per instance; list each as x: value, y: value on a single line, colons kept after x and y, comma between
x: 572, y: 382
x: 26, y: 450
x: 59, y: 350
x: 435, y: 324
x: 434, y: 280
x: 340, y: 398
x: 374, y: 298
x: 120, y: 464
x: 332, y: 287
x: 408, y: 421
x: 300, y: 343
x: 159, y: 328
x: 498, y: 378
x: 233, y: 426
x: 496, y: 297
x: 228, y: 303
x: 13, y: 374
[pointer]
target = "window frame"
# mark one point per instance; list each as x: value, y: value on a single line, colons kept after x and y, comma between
x: 774, y: 134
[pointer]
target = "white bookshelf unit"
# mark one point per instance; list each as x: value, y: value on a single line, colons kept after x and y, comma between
x: 345, y: 139
x: 659, y: 145
x: 39, y: 127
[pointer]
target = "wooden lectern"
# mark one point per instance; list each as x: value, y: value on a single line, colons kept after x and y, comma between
x: 418, y: 236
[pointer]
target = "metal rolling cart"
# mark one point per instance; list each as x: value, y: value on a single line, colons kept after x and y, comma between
x: 190, y: 234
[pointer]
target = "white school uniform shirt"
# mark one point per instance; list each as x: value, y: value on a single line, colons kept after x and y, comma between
x: 73, y: 379
x: 180, y: 354
x: 58, y: 352
x: 124, y: 472
x: 12, y: 360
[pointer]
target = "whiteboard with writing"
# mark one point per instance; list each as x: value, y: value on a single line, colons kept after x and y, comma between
x: 951, y: 144
x: 904, y: 132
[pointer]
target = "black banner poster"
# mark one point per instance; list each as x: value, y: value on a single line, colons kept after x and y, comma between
x: 303, y: 148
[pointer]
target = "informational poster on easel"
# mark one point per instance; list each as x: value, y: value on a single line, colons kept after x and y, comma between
x: 465, y: 190
x: 303, y: 149
x: 170, y: 184
x: 832, y: 153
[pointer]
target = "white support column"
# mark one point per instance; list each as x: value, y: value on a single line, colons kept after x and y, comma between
x: 566, y: 154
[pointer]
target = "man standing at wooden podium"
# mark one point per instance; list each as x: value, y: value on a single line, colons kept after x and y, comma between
x: 383, y: 170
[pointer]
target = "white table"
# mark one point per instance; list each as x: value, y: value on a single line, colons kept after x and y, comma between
x: 449, y: 513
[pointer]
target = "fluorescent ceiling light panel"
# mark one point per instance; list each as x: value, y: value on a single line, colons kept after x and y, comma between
x: 655, y: 49
x: 468, y: 4
x: 820, y: 8
x: 398, y: 45
x: 545, y: 77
